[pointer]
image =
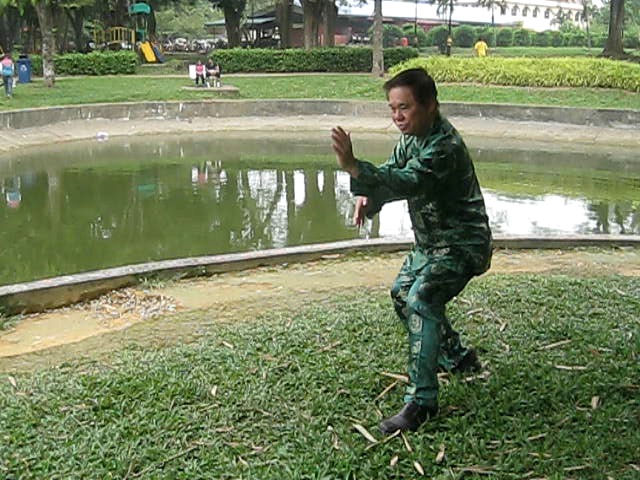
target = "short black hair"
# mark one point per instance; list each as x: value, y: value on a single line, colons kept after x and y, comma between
x: 419, y: 81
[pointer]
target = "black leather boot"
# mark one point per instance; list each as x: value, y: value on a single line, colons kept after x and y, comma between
x: 410, y: 417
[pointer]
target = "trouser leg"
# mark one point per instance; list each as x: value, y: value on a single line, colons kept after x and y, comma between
x: 451, y: 350
x: 400, y: 290
x: 431, y: 338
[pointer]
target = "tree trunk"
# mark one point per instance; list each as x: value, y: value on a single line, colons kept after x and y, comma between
x: 312, y: 11
x: 232, y: 25
x: 45, y: 19
x: 329, y: 27
x: 76, y: 18
x: 283, y: 12
x: 613, y: 47
x: 377, y: 67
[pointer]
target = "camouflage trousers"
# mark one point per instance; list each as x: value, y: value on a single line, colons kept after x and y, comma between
x: 427, y: 280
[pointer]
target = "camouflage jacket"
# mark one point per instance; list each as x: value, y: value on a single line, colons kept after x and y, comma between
x: 435, y: 174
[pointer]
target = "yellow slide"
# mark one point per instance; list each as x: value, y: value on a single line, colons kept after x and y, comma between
x: 147, y: 51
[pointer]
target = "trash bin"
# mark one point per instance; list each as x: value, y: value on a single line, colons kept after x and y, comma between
x: 24, y: 69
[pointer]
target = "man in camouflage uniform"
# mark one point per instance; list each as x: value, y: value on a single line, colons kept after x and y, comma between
x: 431, y: 168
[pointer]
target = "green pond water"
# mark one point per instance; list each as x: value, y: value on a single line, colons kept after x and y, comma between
x: 90, y: 205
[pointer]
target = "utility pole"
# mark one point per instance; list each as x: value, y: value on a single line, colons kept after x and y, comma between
x: 450, y: 37
x: 415, y: 27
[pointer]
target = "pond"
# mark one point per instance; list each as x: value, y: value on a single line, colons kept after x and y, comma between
x: 96, y: 204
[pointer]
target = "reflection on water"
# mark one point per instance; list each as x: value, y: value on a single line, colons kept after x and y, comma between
x: 94, y: 205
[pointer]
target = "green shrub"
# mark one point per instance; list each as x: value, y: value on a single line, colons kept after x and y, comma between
x: 531, y: 72
x: 96, y: 63
x: 542, y: 39
x: 464, y: 36
x: 336, y: 59
x: 577, y: 39
x: 437, y: 36
x: 505, y: 37
x: 410, y: 31
x: 489, y: 35
x: 631, y: 38
x: 391, y: 35
x: 521, y: 37
x: 557, y: 39
x: 598, y: 41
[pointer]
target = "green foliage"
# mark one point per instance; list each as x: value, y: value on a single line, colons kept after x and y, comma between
x: 338, y: 59
x: 437, y: 36
x: 464, y: 36
x: 557, y: 39
x: 410, y: 31
x: 95, y: 63
x: 489, y: 35
x: 631, y: 38
x: 531, y: 72
x: 521, y: 37
x: 576, y: 39
x: 542, y: 39
x: 391, y: 35
x: 505, y: 37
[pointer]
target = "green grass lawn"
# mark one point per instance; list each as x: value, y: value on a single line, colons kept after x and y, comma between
x: 74, y: 91
x: 278, y: 396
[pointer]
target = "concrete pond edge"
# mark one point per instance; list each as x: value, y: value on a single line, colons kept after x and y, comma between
x: 41, y: 295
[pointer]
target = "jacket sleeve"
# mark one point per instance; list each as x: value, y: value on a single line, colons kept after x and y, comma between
x: 404, y: 175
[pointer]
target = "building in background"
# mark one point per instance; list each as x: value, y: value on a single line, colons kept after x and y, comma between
x: 354, y: 20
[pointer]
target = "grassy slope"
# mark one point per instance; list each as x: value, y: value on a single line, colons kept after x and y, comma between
x: 289, y: 388
x: 69, y: 91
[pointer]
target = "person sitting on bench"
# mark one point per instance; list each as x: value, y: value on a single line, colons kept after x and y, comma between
x: 213, y: 72
x: 200, y: 73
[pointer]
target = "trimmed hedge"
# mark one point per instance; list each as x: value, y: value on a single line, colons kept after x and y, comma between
x: 530, y: 72
x: 338, y: 59
x: 95, y: 63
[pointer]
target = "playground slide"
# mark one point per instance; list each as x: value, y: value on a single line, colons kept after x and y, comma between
x: 157, y: 53
x: 147, y: 51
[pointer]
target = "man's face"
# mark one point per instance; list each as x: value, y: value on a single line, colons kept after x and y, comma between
x: 411, y: 117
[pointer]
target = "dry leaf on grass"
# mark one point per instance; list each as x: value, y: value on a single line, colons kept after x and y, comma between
x: 214, y: 391
x: 406, y: 442
x: 13, y: 382
x: 418, y: 468
x: 595, y: 402
x: 440, y: 455
x: 365, y: 433
x: 394, y: 461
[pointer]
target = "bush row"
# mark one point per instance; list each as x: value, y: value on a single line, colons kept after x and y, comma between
x: 530, y: 72
x: 95, y: 63
x: 338, y: 59
x: 465, y: 36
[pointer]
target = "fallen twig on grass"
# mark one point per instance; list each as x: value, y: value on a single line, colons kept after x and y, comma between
x: 554, y: 344
x: 386, y: 390
x: 397, y: 376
